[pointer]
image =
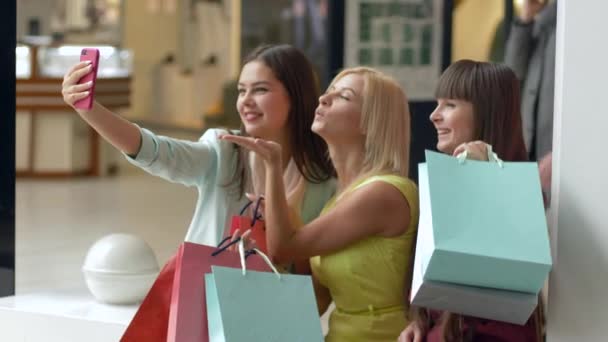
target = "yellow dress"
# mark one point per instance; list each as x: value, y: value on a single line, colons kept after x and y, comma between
x: 367, y: 280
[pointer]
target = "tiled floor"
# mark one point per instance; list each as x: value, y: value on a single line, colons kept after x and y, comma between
x: 57, y: 222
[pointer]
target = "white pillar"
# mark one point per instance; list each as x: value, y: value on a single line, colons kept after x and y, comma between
x: 578, y: 289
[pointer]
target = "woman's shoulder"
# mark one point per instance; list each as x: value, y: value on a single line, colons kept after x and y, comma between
x: 226, y: 153
x: 406, y: 187
x: 404, y: 184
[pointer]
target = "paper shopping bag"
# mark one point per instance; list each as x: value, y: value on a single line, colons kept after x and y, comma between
x: 151, y: 319
x: 482, y: 224
x: 255, y: 223
x: 188, y: 314
x: 497, y: 305
x: 258, y: 306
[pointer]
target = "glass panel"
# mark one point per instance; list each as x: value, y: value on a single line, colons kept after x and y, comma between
x: 114, y: 62
x: 24, y: 62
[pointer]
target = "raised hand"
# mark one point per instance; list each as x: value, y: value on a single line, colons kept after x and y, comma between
x: 530, y: 8
x: 71, y: 90
x: 269, y: 151
x: 248, y: 242
x: 476, y: 150
x: 413, y: 333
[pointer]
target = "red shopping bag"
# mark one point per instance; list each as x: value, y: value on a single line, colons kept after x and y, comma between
x: 150, y: 321
x: 255, y: 223
x: 188, y: 313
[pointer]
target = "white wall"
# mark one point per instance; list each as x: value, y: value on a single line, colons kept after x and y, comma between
x: 578, y: 290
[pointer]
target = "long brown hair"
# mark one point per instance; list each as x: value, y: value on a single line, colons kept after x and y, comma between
x: 494, y: 91
x: 309, y: 152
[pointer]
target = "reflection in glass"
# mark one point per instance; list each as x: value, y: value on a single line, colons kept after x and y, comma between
x: 24, y: 63
x: 54, y: 61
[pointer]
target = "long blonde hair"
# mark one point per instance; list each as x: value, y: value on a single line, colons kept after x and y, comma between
x: 385, y: 121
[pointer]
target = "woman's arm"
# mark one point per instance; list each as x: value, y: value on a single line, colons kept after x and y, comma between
x: 175, y: 160
x: 378, y: 208
x: 119, y: 132
x: 375, y: 209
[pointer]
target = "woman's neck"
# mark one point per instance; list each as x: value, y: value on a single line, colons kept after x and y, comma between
x: 348, y: 162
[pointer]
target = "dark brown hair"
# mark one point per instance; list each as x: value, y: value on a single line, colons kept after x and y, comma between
x: 494, y: 91
x: 293, y: 69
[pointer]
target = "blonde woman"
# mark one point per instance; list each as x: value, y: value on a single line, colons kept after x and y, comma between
x: 358, y: 246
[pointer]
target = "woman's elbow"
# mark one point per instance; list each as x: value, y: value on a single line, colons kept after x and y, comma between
x: 280, y: 255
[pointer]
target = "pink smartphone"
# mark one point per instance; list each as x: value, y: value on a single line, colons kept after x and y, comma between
x: 93, y: 56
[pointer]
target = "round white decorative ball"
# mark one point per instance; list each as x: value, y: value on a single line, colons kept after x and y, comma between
x: 120, y: 269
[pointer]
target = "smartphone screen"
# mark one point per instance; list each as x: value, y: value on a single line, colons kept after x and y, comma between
x: 93, y: 56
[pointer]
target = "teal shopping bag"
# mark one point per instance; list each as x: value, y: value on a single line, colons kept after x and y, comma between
x: 260, y: 306
x: 482, y: 223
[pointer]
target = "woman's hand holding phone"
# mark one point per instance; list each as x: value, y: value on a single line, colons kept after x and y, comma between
x: 79, y: 82
x: 78, y: 90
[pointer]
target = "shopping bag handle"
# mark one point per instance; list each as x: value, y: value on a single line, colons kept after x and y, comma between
x: 256, y: 251
x: 220, y: 249
x: 492, y: 157
x: 256, y: 211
